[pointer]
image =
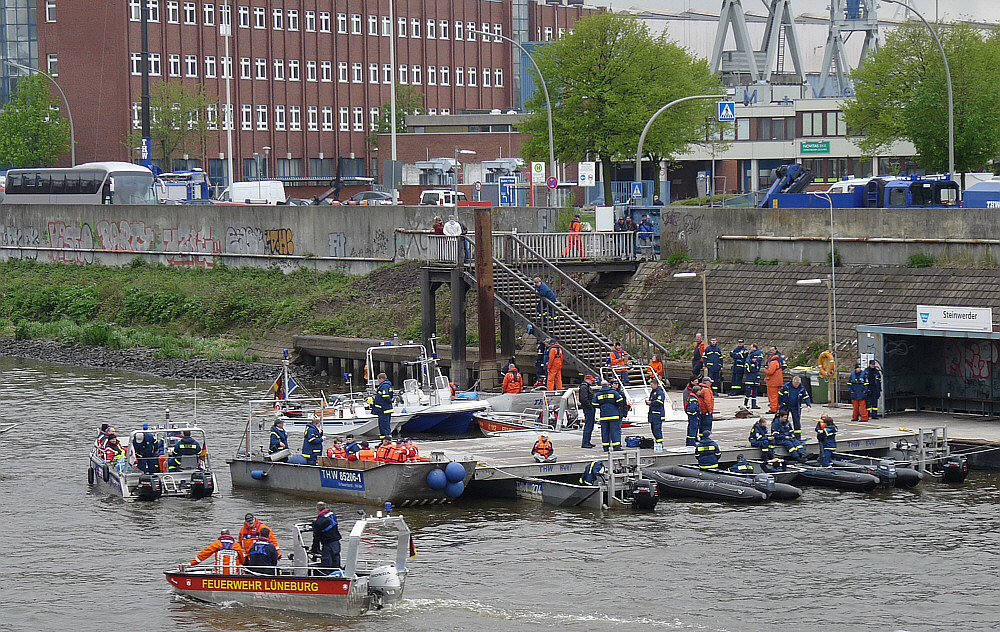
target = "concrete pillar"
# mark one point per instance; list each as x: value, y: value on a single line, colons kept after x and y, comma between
x: 428, y: 307
x: 507, y: 340
x: 754, y: 175
x: 335, y: 369
x: 459, y: 289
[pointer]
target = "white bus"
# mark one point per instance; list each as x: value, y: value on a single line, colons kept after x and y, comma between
x: 89, y: 183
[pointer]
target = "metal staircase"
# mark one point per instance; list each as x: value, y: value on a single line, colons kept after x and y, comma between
x: 584, y: 325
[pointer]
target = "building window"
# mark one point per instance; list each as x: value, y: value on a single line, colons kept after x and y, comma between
x: 134, y: 10
x: 386, y: 26
x: 812, y: 123
x: 324, y: 22
x: 359, y: 119
x: 289, y: 167
x: 430, y: 28
x: 310, y: 71
x: 445, y: 111
x: 154, y: 64
x: 227, y: 67
x: 403, y: 74
x: 208, y: 14
x: 415, y: 75
x: 279, y: 70
x: 246, y: 117
x: 227, y: 116
x: 310, y: 21
x: 355, y: 24
x: 472, y: 76
x: 357, y: 72
x: 278, y: 19
x: 458, y: 31
x: 373, y: 73
x: 293, y: 69
x: 225, y: 17
x: 401, y: 30
x: 548, y: 34
x: 498, y: 77
x: 373, y: 25
x: 386, y: 74
x: 459, y: 76
x: 212, y: 116
x: 471, y: 27
x: 190, y: 65
x: 190, y: 13
x: 485, y: 28
x: 326, y: 71
x: 486, y: 77
x: 432, y: 75
x: 294, y: 118
x: 261, y: 65
x: 279, y: 118
x: 312, y: 118
x: 415, y: 27
x: 293, y: 19
x: 50, y: 11
x: 341, y: 22
x: 443, y: 29
x: 244, y: 67
x: 259, y: 18
x: 174, y: 65
x: 327, y: 119
x: 173, y: 12
x: 244, y: 17
x: 562, y: 32
x: 136, y: 115
x: 444, y: 75
x: 497, y: 32
x: 373, y: 116
x: 835, y: 124
x: 53, y: 65
x: 210, y: 67
x: 345, y: 121
x: 342, y: 71
x: 432, y: 111
x: 262, y: 117
x: 742, y: 129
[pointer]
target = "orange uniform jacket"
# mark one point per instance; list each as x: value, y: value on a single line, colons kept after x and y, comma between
x: 774, y: 378
x: 656, y: 369
x: 210, y: 550
x: 366, y: 454
x: 706, y: 399
x: 512, y: 382
x: 248, y: 535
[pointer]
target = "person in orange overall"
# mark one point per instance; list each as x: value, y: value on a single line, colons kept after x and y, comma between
x: 706, y: 404
x: 225, y: 542
x: 250, y: 531
x: 774, y: 378
x: 698, y: 357
x: 512, y: 380
x: 574, y: 239
x: 619, y: 362
x: 656, y: 369
x: 555, y: 366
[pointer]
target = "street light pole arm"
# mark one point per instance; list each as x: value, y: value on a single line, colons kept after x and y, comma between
x: 652, y: 119
x: 69, y: 113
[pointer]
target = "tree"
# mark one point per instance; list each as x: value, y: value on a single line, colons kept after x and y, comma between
x: 901, y: 94
x: 33, y: 132
x: 409, y: 100
x: 178, y: 120
x: 606, y: 78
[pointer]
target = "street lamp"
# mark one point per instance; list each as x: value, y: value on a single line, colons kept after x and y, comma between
x: 704, y: 296
x: 69, y: 114
x: 458, y: 151
x: 649, y: 124
x: 226, y: 30
x: 267, y: 160
x: 947, y: 76
x: 831, y: 331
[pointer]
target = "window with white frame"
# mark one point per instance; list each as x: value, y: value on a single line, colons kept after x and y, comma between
x: 244, y: 67
x: 359, y: 119
x: 293, y: 69
x: 312, y: 118
x: 345, y: 120
x: 262, y: 117
x: 373, y: 116
x: 497, y: 32
x: 173, y: 12
x: 279, y: 69
x: 561, y: 32
x: 415, y: 74
x: 386, y: 26
x: 357, y: 72
x: 432, y: 75
x: 341, y: 22
x: 190, y: 65
x: 373, y: 25
x: 444, y: 70
x: 430, y: 28
x: 50, y: 11
x: 445, y: 111
x: 153, y: 9
x: 471, y: 75
x: 373, y: 73
x: 326, y: 71
x: 293, y: 19
x: 212, y: 116
x: 327, y: 119
x: 227, y: 67
x: 414, y: 27
x: 342, y: 71
x: 459, y: 30
x: 227, y: 116
x: 386, y: 74
x: 498, y: 77
x: 260, y: 64
x: 244, y: 17
x: 278, y: 19
x: 548, y: 34
x: 487, y: 77
x: 294, y: 118
x: 470, y: 28
x: 443, y: 29
x: 154, y: 64
x: 226, y: 19
x: 136, y: 115
x: 259, y: 18
x: 279, y: 118
x: 485, y: 28
x: 355, y: 24
x: 208, y: 14
x: 432, y: 111
x: 324, y: 22
x: 210, y: 68
x: 246, y: 117
x: 311, y: 71
x: 401, y: 27
x: 52, y: 63
x: 403, y: 74
x: 310, y: 21
x: 134, y: 10
x: 190, y: 13
x: 174, y: 65
x: 459, y: 75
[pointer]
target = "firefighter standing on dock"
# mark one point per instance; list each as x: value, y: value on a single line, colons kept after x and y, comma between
x: 713, y: 364
x: 739, y: 356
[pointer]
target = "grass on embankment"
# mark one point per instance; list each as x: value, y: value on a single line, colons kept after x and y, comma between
x: 212, y: 313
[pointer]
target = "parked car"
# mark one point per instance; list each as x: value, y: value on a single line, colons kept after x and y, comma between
x: 442, y: 197
x: 368, y: 198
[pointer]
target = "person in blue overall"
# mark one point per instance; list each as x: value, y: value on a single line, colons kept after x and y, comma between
x: 591, y: 473
x: 546, y: 301
x: 826, y: 434
x: 742, y: 466
x: 586, y: 397
x: 751, y: 378
x: 739, y: 356
x: 792, y: 397
x: 186, y: 446
x: 541, y: 363
x: 707, y: 452
x: 874, y: 376
x: 382, y: 405
x: 761, y: 438
x: 692, y: 407
x: 312, y: 443
x: 713, y: 364
x: 144, y: 446
x: 783, y: 435
x: 279, y: 438
x: 262, y: 555
x: 326, y: 536
x: 609, y: 402
x: 657, y: 413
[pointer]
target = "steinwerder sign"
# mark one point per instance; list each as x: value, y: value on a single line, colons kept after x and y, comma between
x: 958, y: 318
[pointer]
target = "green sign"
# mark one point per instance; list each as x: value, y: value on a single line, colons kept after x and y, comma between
x: 814, y: 147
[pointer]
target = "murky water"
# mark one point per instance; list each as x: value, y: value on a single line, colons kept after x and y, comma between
x: 924, y: 559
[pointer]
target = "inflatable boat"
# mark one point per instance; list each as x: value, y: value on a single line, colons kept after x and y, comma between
x: 687, y: 487
x: 882, y: 469
x: 837, y: 479
x: 765, y: 483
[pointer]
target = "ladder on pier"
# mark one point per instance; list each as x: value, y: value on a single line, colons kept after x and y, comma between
x: 932, y: 447
x: 623, y: 470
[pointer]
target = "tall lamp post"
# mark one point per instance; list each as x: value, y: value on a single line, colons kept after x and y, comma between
x: 947, y: 76
x: 454, y: 180
x: 69, y: 114
x: 652, y: 119
x: 831, y: 331
x: 704, y: 296
x: 226, y: 30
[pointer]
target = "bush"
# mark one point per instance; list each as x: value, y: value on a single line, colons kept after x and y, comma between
x: 765, y: 262
x: 919, y: 261
x: 152, y: 307
x: 836, y: 258
x: 678, y: 257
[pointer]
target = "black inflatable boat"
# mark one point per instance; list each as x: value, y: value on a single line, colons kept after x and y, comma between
x: 837, y: 479
x: 687, y: 487
x: 761, y: 482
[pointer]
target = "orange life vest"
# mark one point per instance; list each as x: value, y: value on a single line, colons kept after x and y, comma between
x: 395, y: 454
x: 382, y: 452
x: 543, y: 447
x: 512, y: 382
x: 227, y: 562
x: 336, y: 453
x: 366, y: 454
x: 412, y: 453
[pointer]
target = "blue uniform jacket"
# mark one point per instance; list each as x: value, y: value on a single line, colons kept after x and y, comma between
x: 692, y: 407
x: 279, y: 438
x: 827, y: 437
x: 793, y: 398
x: 857, y: 384
x: 609, y: 401
x: 755, y: 360
x: 874, y: 377
x: 546, y: 292
x: 759, y: 437
x: 656, y: 404
x: 707, y: 452
x: 780, y: 430
x: 713, y: 357
x: 739, y: 356
x: 312, y: 443
x: 382, y: 404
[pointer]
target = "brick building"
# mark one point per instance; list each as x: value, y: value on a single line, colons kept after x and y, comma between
x: 307, y: 76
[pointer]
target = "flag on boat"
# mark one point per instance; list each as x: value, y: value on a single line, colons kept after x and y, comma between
x: 278, y: 390
x: 413, y: 548
x: 291, y: 386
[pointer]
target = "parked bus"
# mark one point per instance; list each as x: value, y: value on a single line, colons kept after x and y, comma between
x: 89, y: 183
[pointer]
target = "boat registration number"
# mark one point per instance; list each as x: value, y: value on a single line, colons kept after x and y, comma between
x: 342, y: 479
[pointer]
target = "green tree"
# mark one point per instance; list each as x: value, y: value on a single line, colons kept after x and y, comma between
x: 33, y: 132
x: 606, y: 78
x: 409, y: 100
x: 178, y: 121
x: 901, y: 94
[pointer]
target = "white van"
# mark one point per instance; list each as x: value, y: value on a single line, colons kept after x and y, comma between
x: 258, y: 192
x: 441, y: 197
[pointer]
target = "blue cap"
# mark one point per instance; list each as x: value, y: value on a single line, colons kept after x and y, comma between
x: 145, y: 426
x: 388, y: 507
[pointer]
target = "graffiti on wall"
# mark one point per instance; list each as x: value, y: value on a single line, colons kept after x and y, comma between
x: 125, y: 235
x: 251, y: 240
x: 970, y: 360
x: 195, y: 243
x: 20, y: 237
x: 683, y: 225
x: 76, y: 239
x: 337, y: 243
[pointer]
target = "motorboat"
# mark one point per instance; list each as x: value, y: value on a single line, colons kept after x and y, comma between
x: 891, y: 473
x: 122, y: 473
x: 367, y: 581
x: 762, y: 482
x: 550, y: 412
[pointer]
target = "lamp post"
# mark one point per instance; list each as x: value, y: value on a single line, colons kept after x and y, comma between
x: 830, y: 330
x: 226, y: 30
x: 458, y: 151
x: 267, y: 161
x: 704, y: 296
x: 649, y: 124
x: 69, y: 114
x: 947, y: 76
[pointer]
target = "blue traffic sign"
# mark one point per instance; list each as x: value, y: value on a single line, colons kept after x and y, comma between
x: 636, y: 191
x: 508, y: 194
x: 727, y: 111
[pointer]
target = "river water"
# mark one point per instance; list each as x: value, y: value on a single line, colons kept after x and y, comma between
x: 923, y: 559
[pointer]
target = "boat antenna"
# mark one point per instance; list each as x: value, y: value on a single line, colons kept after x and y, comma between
x: 196, y: 399
x: 284, y: 374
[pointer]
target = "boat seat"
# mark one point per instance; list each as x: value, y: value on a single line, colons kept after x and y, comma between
x: 189, y: 462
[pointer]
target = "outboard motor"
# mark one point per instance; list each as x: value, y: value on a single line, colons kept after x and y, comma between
x: 886, y: 473
x: 645, y: 494
x: 764, y: 483
x: 149, y: 488
x: 955, y: 469
x: 201, y: 485
x: 384, y: 586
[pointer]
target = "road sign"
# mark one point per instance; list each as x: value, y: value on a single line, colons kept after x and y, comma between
x: 636, y: 190
x: 727, y: 111
x: 552, y: 182
x: 508, y: 195
x: 538, y: 173
x: 586, y: 174
x: 478, y: 185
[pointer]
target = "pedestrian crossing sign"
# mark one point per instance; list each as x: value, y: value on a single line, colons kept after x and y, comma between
x: 636, y: 191
x: 727, y: 111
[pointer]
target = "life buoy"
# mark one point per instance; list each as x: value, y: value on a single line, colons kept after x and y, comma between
x: 826, y: 364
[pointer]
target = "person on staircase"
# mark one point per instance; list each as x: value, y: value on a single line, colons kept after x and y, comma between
x: 513, y: 383
x: 546, y: 302
x: 657, y: 413
x: 739, y: 356
x: 713, y: 364
x: 656, y: 368
x: 618, y: 360
x: 554, y: 367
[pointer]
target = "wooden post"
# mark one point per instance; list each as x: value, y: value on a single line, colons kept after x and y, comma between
x: 428, y: 307
x: 488, y: 368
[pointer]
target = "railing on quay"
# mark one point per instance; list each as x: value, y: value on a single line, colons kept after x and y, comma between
x: 558, y: 247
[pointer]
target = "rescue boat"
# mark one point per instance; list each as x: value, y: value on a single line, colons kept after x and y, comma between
x: 367, y: 581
